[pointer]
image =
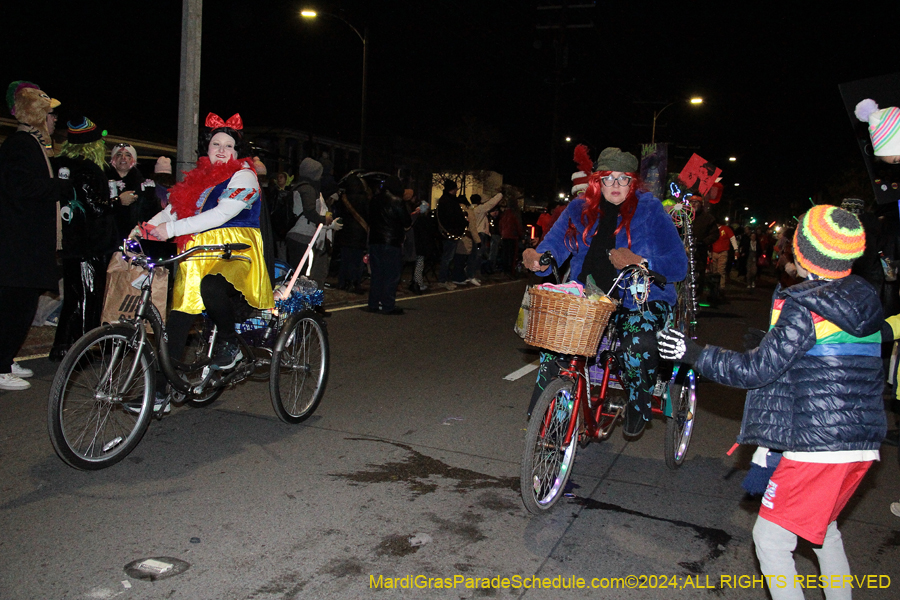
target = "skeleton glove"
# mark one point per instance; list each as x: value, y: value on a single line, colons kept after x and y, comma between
x: 674, y: 346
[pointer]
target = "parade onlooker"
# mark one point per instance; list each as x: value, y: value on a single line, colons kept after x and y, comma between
x: 719, y: 253
x: 814, y: 392
x: 134, y: 197
x: 748, y: 255
x: 452, y: 225
x: 90, y: 233
x: 353, y: 211
x: 311, y: 210
x: 388, y: 220
x: 512, y: 231
x: 280, y: 200
x: 28, y: 222
x: 479, y: 224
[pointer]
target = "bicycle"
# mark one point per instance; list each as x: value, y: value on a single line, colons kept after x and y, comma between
x: 104, y: 391
x: 573, y: 410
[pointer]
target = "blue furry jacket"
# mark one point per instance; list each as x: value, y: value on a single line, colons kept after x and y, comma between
x: 815, y: 381
x: 653, y: 236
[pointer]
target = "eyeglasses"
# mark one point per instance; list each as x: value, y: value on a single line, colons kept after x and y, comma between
x: 609, y: 180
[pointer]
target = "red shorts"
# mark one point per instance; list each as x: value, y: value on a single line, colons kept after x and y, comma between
x: 805, y: 498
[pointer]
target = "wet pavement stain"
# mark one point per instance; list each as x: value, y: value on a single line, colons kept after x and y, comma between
x: 287, y: 585
x: 344, y: 567
x: 396, y: 545
x: 467, y: 529
x: 417, y: 468
x: 716, y: 539
x: 890, y: 543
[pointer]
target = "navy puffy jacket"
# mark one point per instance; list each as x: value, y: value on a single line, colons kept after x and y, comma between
x: 803, y: 397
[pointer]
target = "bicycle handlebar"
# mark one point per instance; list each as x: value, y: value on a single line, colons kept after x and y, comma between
x: 145, y: 261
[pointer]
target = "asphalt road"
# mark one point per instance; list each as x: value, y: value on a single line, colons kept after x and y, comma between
x: 409, y: 468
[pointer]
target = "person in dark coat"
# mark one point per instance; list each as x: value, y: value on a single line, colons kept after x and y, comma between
x: 388, y: 220
x: 815, y: 385
x: 353, y: 210
x: 134, y: 197
x: 89, y: 233
x: 452, y: 224
x: 28, y: 217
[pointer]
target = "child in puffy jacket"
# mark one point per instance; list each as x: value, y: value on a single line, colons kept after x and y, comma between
x: 815, y: 386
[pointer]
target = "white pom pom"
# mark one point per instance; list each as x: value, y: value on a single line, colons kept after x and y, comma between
x: 865, y: 109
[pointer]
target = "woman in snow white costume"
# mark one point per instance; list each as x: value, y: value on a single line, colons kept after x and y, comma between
x: 217, y: 203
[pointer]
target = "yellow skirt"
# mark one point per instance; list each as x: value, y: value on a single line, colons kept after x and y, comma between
x: 251, y: 279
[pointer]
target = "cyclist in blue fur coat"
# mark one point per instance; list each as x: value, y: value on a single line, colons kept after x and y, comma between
x: 616, y: 224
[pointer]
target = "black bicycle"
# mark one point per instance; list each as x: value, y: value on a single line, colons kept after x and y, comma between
x: 104, y: 391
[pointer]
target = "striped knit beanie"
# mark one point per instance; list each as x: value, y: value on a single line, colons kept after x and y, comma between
x: 828, y: 240
x: 82, y: 131
x: 579, y: 182
x: 884, y: 126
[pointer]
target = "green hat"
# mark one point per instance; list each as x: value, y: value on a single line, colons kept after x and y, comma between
x: 613, y: 159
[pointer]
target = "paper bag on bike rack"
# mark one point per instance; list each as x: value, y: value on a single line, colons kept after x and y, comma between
x: 123, y: 289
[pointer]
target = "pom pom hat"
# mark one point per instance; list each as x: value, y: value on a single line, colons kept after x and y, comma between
x: 828, y: 240
x: 884, y: 126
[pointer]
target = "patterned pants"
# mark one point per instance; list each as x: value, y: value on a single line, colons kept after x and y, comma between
x: 637, y: 352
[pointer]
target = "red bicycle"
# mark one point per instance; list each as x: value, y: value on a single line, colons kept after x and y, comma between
x: 574, y: 410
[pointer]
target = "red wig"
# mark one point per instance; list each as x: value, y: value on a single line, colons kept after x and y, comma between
x: 592, y: 211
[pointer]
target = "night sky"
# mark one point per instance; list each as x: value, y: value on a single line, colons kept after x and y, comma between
x: 769, y: 76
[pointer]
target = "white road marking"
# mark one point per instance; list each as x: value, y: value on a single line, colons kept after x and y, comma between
x: 519, y: 373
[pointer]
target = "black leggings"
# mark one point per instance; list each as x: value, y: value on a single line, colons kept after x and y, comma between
x: 17, y: 305
x: 218, y: 298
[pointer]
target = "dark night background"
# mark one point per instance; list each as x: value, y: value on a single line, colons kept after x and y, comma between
x: 769, y: 75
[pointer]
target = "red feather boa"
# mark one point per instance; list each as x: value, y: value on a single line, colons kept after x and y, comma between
x: 184, y: 195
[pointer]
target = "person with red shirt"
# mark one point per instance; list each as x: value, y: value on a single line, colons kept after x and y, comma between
x: 719, y: 253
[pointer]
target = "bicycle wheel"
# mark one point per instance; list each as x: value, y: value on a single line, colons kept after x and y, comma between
x: 299, y: 369
x: 546, y: 463
x: 680, y: 426
x: 102, y: 398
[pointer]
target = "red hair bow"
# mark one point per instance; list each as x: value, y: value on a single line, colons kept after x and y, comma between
x: 214, y: 121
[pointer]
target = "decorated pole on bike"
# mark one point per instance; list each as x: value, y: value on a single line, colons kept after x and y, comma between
x: 284, y: 291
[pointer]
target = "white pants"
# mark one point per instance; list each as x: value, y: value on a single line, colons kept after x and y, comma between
x: 775, y: 550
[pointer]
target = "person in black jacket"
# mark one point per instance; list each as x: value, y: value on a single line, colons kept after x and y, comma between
x: 815, y: 385
x: 28, y: 238
x: 133, y: 196
x: 389, y: 218
x: 452, y: 223
x: 352, y: 209
x: 89, y: 233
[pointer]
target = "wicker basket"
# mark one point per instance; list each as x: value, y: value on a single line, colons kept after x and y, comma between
x: 566, y: 324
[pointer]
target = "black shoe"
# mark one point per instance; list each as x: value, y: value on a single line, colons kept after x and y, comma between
x: 228, y: 356
x: 394, y: 311
x: 634, y: 421
x: 57, y: 353
x: 319, y: 310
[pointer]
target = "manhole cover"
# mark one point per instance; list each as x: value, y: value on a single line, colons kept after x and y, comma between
x: 157, y: 567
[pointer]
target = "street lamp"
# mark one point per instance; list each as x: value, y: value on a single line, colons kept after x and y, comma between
x: 312, y: 14
x: 694, y: 102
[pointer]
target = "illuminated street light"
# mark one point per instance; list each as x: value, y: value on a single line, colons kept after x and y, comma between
x: 312, y: 14
x: 694, y: 102
x: 732, y: 159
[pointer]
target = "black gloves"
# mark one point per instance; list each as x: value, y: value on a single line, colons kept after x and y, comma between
x: 674, y: 346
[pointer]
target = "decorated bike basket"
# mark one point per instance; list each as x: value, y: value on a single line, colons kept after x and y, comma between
x: 261, y: 328
x: 565, y: 323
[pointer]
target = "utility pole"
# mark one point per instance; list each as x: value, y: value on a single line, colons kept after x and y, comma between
x: 559, y: 13
x: 189, y: 92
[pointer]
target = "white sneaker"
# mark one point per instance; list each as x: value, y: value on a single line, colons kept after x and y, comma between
x: 473, y: 281
x: 447, y: 285
x: 13, y: 383
x: 895, y: 508
x: 20, y: 371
